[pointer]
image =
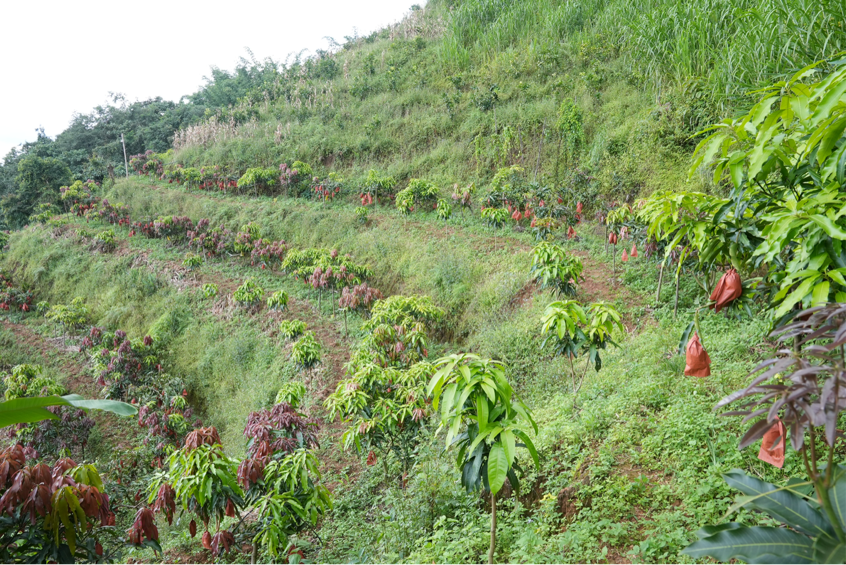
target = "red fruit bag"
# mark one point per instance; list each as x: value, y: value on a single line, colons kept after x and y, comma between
x: 579, y: 208
x: 571, y: 233
x: 612, y: 238
x: 625, y: 256
x: 634, y: 250
x: 697, y: 362
x: 772, y: 445
x: 727, y: 290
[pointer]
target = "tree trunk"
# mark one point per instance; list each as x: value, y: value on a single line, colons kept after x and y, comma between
x: 660, y: 282
x: 493, y: 529
x: 676, y: 305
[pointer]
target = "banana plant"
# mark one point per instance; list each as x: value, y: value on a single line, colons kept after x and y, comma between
x: 34, y: 409
x: 485, y: 421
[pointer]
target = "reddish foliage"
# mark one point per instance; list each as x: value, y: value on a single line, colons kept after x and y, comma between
x: 250, y: 471
x: 202, y: 436
x: 166, y: 502
x: 143, y: 527
x: 221, y: 542
x: 280, y: 428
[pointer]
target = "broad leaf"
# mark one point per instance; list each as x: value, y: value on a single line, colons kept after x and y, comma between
x: 782, y: 505
x: 497, y: 467
x: 27, y: 410
x: 754, y: 545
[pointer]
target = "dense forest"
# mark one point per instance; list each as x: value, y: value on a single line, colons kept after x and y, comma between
x: 507, y: 281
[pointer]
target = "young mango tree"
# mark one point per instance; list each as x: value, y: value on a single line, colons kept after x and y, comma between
x: 572, y: 331
x: 485, y: 421
x: 385, y: 408
x: 553, y: 268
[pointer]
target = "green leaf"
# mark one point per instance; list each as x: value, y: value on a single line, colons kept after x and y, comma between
x: 783, y: 505
x: 509, y: 443
x: 829, y: 551
x: 685, y: 338
x: 820, y: 295
x: 27, y: 410
x: 529, y: 445
x: 829, y: 227
x: 113, y: 406
x: 497, y: 467
x: 753, y: 544
x: 837, y: 494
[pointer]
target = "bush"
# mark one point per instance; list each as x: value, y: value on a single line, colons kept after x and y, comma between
x: 192, y: 261
x: 306, y: 351
x: 278, y: 300
x: 292, y: 328
x: 248, y: 294
x: 209, y: 290
x: 71, y: 316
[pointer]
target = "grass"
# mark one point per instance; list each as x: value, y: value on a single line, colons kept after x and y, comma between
x: 629, y: 476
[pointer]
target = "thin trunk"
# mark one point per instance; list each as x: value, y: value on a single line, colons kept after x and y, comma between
x: 676, y: 305
x: 346, y: 331
x: 614, y: 264
x: 493, y: 529
x: 660, y: 282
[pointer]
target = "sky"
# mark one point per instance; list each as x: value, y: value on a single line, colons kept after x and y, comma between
x: 58, y: 58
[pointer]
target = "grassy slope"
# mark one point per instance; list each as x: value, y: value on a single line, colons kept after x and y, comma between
x: 636, y: 471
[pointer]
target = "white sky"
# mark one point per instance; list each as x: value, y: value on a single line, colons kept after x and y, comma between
x: 62, y: 57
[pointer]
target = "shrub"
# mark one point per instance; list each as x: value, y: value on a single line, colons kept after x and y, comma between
x: 259, y: 179
x: 292, y: 328
x: 248, y: 294
x: 306, y: 351
x: 444, y: 209
x: 70, y: 316
x: 495, y: 217
x: 28, y: 380
x: 278, y: 300
x: 105, y: 241
x: 291, y: 393
x: 209, y: 290
x: 553, y: 268
x: 192, y: 261
x: 361, y: 214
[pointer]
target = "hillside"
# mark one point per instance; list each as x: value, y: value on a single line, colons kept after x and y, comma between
x: 280, y: 284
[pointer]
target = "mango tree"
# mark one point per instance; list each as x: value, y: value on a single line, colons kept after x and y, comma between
x: 574, y: 332
x: 485, y: 421
x: 787, y: 159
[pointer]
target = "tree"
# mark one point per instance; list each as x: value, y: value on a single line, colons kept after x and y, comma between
x: 38, y: 180
x: 574, y: 332
x: 786, y: 162
x: 484, y: 420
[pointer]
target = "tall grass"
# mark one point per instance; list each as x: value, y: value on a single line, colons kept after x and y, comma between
x: 732, y: 46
